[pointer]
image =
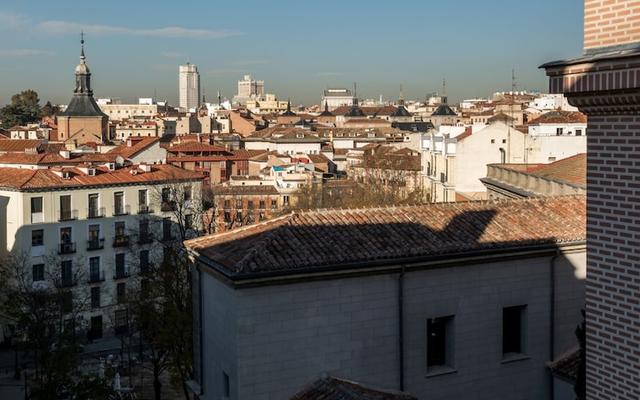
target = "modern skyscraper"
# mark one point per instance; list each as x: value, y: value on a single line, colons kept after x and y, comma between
x: 189, y: 86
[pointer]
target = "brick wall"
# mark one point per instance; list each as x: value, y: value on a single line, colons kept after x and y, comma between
x: 610, y: 23
x: 613, y: 305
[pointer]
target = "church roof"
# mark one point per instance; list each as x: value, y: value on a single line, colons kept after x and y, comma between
x: 444, y: 110
x: 401, y: 111
x: 82, y: 105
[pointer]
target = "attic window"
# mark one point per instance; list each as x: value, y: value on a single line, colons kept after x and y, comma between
x: 300, y: 135
x: 91, y: 171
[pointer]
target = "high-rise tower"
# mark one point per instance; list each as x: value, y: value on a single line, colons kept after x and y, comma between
x: 189, y: 86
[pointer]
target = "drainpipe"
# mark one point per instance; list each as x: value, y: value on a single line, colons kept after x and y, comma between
x: 552, y: 315
x: 401, y: 327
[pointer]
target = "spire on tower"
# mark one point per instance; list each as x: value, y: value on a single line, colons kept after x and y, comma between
x: 401, y: 98
x: 82, y: 45
x: 444, y: 91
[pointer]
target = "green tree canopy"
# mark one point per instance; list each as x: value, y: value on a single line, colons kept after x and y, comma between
x: 23, y: 109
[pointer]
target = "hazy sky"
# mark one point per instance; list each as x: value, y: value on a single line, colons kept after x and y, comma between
x: 297, y: 47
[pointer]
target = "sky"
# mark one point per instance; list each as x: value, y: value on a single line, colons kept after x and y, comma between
x: 297, y: 47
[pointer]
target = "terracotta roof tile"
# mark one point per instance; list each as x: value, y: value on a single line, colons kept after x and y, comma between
x: 334, y: 238
x: 331, y: 388
x: 571, y: 169
x: 20, y: 145
x: 560, y: 117
x: 27, y: 179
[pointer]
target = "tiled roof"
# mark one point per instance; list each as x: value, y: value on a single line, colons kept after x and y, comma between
x: 20, y: 145
x: 566, y: 366
x: 339, y: 238
x: 27, y: 179
x: 34, y: 159
x: 331, y: 388
x: 366, y: 110
x: 444, y: 111
x: 571, y: 169
x: 502, y: 117
x: 560, y: 117
x: 127, y: 151
x: 192, y: 147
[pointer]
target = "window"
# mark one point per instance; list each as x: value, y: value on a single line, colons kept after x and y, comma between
x: 65, y: 208
x: 144, y: 261
x: 96, y: 327
x: 37, y: 237
x: 37, y: 272
x: 120, y: 228
x: 66, y: 302
x: 94, y: 269
x: 36, y: 210
x: 121, y: 320
x: 239, y: 204
x: 120, y: 266
x: 142, y: 197
x: 166, y: 195
x: 118, y: 203
x: 285, y: 200
x: 559, y: 131
x: 187, y: 193
x: 493, y: 140
x: 227, y: 204
x: 94, y: 210
x: 166, y: 228
x: 503, y: 156
x: 513, y: 330
x: 261, y: 205
x: 188, y: 221
x: 578, y: 132
x: 440, y: 342
x: 95, y: 297
x: 250, y: 204
x: 504, y: 140
x: 121, y: 292
x: 65, y: 235
x: 66, y: 276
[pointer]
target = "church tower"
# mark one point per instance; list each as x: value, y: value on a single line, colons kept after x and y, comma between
x: 82, y: 121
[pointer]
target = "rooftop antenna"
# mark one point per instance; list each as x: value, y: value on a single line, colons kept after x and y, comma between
x: 82, y: 44
x: 401, y: 98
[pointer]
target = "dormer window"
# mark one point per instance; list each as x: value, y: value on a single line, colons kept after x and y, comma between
x: 91, y: 171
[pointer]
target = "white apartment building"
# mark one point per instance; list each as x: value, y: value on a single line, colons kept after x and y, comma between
x: 336, y: 97
x: 188, y: 87
x: 93, y: 228
x: 453, y: 161
x: 119, y: 112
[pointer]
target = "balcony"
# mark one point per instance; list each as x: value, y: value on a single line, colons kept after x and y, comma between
x: 119, y: 210
x: 121, y: 241
x: 168, y: 206
x: 144, y: 209
x: 67, y: 248
x: 96, y: 277
x: 121, y: 273
x: 95, y: 212
x: 95, y: 244
x: 67, y: 215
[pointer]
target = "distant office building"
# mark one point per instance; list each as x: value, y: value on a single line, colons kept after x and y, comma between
x: 336, y: 97
x: 248, y: 88
x: 189, y: 82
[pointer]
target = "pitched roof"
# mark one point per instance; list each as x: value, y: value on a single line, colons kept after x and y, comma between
x: 191, y: 147
x: 502, y: 117
x: 331, y: 388
x: 572, y: 170
x: 20, y: 145
x: 566, y: 366
x: 366, y: 110
x: 444, y: 110
x: 401, y: 111
x: 39, y: 179
x: 82, y: 105
x: 127, y: 151
x: 560, y: 117
x: 337, y: 239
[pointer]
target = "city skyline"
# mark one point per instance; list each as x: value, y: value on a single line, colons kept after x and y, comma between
x: 381, y: 47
